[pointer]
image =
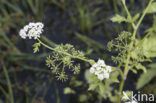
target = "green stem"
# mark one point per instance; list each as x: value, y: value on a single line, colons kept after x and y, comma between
x: 57, y: 93
x: 115, y: 6
x: 76, y: 57
x: 9, y: 84
x: 127, y: 11
x: 131, y: 46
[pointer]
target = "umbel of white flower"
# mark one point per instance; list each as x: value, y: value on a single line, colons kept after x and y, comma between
x: 32, y: 30
x: 101, y: 70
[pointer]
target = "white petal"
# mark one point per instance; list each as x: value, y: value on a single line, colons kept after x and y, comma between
x: 109, y: 69
x: 23, y: 34
x: 92, y: 70
x: 26, y: 28
x: 101, y: 63
x: 32, y: 30
x: 100, y: 76
x: 97, y: 72
x: 98, y: 68
x: 95, y: 65
x: 106, y: 75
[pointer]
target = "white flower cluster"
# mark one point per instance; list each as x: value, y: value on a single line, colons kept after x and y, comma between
x: 32, y: 30
x: 101, y: 70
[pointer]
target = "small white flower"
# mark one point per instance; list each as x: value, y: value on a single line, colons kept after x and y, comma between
x: 98, y: 68
x: 92, y: 70
x: 32, y: 30
x: 101, y: 62
x: 31, y: 25
x: 22, y: 34
x: 101, y: 76
x: 95, y: 65
x: 26, y: 28
x: 101, y: 70
x: 106, y: 75
x: 97, y: 72
x: 109, y: 69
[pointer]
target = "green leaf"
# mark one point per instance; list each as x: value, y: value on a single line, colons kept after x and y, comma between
x: 136, y: 17
x: 36, y: 47
x: 146, y: 78
x: 102, y: 88
x: 134, y: 71
x: 114, y: 98
x: 149, y: 46
x: 114, y: 76
x: 91, y: 78
x: 152, y: 8
x: 68, y: 90
x: 118, y: 18
x: 140, y: 66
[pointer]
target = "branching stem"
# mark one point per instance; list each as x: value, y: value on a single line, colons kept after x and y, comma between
x: 131, y: 46
x: 76, y: 57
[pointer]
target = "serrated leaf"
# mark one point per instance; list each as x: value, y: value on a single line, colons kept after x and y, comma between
x: 91, y: 78
x: 135, y: 17
x: 36, y: 47
x: 149, y: 46
x: 146, y: 78
x: 102, y: 88
x: 140, y: 66
x: 152, y: 8
x: 35, y: 50
x: 134, y: 71
x: 118, y: 18
x: 114, y: 76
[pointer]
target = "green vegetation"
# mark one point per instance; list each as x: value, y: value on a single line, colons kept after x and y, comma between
x: 76, y: 34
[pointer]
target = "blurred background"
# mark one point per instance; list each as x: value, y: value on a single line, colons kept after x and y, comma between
x: 83, y: 23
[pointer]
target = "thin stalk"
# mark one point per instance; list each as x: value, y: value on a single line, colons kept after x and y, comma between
x: 9, y: 84
x: 57, y: 93
x: 131, y: 46
x: 76, y: 57
x: 126, y: 9
x: 38, y: 92
x: 115, y: 6
x: 48, y: 41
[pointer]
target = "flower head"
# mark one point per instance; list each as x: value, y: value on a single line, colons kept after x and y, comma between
x: 62, y: 76
x: 101, y: 70
x: 32, y: 30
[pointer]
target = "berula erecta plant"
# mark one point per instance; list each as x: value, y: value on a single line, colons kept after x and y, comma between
x: 131, y: 55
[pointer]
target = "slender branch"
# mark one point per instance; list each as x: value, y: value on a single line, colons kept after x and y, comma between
x: 126, y: 9
x: 76, y: 57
